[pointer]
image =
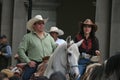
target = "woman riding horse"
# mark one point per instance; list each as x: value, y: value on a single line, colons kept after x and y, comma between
x: 90, y: 45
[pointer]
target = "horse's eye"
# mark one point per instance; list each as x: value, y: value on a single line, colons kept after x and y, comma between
x: 69, y: 54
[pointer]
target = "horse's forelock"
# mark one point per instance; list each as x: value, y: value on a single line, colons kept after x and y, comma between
x: 74, y: 50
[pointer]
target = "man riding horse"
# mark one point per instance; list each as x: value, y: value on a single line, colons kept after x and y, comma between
x: 37, y: 44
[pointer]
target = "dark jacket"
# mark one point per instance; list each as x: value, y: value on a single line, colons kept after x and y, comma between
x: 5, y: 58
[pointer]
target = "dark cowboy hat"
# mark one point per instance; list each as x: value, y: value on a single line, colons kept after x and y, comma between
x: 89, y: 22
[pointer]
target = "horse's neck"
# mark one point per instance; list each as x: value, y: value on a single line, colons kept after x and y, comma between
x: 60, y: 61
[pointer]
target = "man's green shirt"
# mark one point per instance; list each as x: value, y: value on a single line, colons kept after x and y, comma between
x: 35, y: 47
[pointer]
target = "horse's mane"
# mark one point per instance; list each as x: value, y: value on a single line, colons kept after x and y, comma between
x: 113, y: 65
x: 109, y: 70
x: 97, y: 72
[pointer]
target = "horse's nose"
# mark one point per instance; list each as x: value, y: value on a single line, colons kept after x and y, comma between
x: 76, y: 76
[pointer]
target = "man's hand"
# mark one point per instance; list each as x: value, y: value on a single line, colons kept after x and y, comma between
x: 32, y: 64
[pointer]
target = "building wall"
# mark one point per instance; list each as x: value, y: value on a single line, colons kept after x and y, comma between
x: 107, y: 18
x: 19, y: 24
x: 115, y: 27
x: 103, y: 20
x: 70, y: 14
x: 7, y: 18
x: 13, y: 22
x: 47, y: 9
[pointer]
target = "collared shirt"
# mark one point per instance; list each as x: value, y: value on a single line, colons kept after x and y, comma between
x: 36, y: 47
x: 60, y: 41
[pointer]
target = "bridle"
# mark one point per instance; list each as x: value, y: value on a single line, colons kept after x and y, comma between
x: 69, y: 67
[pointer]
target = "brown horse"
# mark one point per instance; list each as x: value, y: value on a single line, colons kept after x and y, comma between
x: 109, y: 70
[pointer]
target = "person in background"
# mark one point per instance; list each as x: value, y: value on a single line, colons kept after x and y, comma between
x: 5, y: 52
x: 55, y: 33
x: 35, y: 45
x: 90, y: 45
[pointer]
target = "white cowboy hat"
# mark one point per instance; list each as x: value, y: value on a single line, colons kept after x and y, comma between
x: 33, y: 20
x: 55, y: 29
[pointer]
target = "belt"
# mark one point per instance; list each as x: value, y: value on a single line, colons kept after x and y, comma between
x: 37, y: 62
x: 43, y: 59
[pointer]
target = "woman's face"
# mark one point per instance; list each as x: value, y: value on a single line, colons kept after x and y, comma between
x: 87, y: 29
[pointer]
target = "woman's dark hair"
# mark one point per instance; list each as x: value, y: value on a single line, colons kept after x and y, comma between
x: 92, y: 35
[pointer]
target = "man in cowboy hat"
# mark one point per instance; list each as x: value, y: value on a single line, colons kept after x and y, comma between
x: 55, y: 33
x: 37, y: 44
x: 90, y: 45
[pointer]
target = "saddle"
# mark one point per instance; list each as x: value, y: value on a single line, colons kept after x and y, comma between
x: 21, y: 65
x: 42, y: 67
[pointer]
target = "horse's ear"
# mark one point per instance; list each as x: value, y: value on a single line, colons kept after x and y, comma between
x: 68, y: 39
x: 80, y: 42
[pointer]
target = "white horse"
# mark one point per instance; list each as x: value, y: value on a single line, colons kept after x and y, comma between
x: 64, y: 59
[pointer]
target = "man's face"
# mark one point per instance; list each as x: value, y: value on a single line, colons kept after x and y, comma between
x: 39, y: 26
x: 3, y: 40
x: 54, y: 34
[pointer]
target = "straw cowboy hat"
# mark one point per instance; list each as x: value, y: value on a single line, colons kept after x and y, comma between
x: 8, y: 72
x: 89, y: 22
x: 57, y: 30
x: 33, y: 20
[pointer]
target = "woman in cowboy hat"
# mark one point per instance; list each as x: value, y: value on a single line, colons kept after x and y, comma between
x: 55, y: 33
x: 90, y: 45
x: 37, y: 44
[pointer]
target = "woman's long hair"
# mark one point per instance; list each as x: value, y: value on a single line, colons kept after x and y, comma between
x: 92, y: 35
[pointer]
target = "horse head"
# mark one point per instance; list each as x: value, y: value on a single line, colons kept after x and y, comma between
x: 72, y: 57
x: 64, y: 59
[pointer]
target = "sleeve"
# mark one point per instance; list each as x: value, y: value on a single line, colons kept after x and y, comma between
x: 23, y: 46
x: 95, y: 46
x: 8, y: 51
